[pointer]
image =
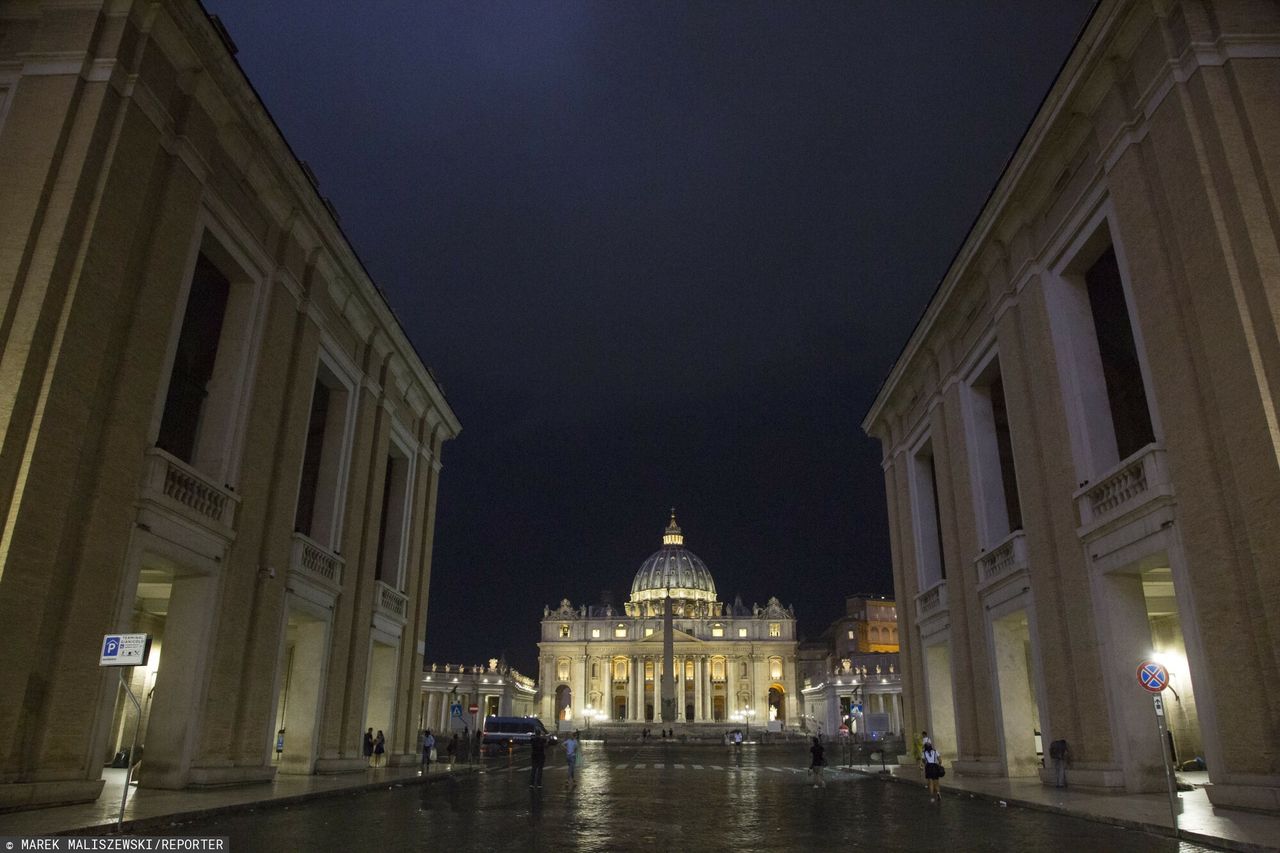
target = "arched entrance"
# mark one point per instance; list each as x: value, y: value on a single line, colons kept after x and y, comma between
x: 777, y: 703
x: 564, y: 702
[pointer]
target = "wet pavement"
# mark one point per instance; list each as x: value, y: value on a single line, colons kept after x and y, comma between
x: 665, y: 797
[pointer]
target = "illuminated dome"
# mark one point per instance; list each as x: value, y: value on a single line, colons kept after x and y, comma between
x: 673, y: 570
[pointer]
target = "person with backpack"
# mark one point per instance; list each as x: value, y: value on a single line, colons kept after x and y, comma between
x: 933, y: 771
x: 1058, y: 754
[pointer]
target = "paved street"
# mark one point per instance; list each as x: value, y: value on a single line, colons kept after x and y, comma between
x: 666, y: 797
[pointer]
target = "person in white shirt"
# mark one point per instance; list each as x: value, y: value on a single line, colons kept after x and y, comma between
x: 932, y: 772
x: 571, y: 756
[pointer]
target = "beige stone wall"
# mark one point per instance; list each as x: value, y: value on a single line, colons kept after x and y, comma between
x: 1163, y: 132
x: 128, y: 133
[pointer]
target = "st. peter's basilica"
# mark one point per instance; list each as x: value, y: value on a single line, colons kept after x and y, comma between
x: 729, y: 662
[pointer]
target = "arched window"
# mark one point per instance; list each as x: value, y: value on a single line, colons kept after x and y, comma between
x: 619, y: 669
x: 562, y: 669
x: 775, y: 668
x: 717, y: 669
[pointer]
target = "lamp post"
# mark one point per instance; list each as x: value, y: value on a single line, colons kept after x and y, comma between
x: 746, y: 719
x: 589, y: 714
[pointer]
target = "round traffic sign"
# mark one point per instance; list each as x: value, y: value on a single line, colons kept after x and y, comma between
x: 1153, y: 676
x: 474, y: 708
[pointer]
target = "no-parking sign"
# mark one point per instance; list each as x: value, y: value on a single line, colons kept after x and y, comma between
x: 1153, y: 677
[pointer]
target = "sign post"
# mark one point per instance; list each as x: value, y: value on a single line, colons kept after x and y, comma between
x: 1154, y: 678
x: 127, y: 650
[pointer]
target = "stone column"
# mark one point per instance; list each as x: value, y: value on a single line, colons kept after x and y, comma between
x: 606, y: 687
x: 697, y: 689
x: 637, y: 688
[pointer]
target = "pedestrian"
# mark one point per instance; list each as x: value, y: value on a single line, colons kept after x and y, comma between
x: 1058, y: 752
x: 368, y: 747
x: 452, y: 749
x: 379, y: 749
x: 819, y: 760
x: 538, y: 757
x: 933, y: 771
x: 925, y: 740
x: 428, y: 749
x: 571, y: 757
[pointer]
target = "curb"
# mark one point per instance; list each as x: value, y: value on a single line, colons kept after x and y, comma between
x: 154, y: 822
x: 1151, y: 828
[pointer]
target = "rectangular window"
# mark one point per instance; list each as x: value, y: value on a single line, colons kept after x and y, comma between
x: 320, y: 484
x: 391, y: 526
x: 717, y: 630
x: 648, y: 632
x: 850, y: 635
x: 595, y: 633
x: 1097, y: 347
x: 620, y: 632
x: 927, y: 517
x: 742, y: 632
x: 995, y: 481
x: 305, y: 513
x: 564, y: 629
x: 194, y: 360
x: 1126, y: 392
x: 775, y: 629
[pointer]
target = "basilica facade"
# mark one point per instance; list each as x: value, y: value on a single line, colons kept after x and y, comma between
x: 730, y: 663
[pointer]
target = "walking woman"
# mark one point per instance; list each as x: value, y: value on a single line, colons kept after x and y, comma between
x: 818, y: 762
x: 933, y: 772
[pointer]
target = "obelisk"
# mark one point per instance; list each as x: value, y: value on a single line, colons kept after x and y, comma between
x: 668, y: 663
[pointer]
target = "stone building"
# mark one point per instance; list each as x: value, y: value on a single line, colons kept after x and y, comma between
x: 849, y: 675
x: 1081, y: 449
x: 495, y: 689
x: 729, y: 662
x: 214, y: 429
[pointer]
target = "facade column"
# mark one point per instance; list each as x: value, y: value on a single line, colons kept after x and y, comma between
x: 697, y: 689
x: 606, y: 687
x: 707, y: 704
x: 678, y: 673
x: 580, y: 688
x: 637, y: 676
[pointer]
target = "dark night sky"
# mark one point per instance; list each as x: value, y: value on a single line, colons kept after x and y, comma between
x: 659, y: 254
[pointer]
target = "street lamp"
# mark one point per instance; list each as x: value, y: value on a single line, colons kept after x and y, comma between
x: 747, y: 714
